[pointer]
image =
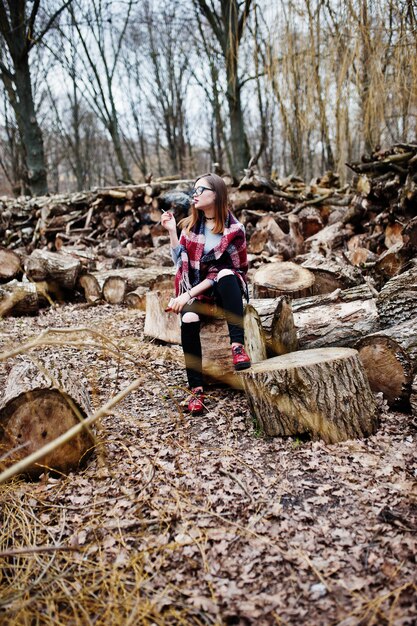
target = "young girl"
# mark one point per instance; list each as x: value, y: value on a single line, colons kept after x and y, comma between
x: 211, y: 265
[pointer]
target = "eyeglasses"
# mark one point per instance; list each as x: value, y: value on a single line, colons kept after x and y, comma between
x: 199, y: 190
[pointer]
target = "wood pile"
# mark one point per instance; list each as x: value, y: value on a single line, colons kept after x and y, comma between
x: 342, y: 256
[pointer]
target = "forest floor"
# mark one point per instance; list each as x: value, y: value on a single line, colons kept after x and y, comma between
x: 203, y: 520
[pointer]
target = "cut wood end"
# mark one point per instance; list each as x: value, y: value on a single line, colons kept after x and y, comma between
x: 303, y: 358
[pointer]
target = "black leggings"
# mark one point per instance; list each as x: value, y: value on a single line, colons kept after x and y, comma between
x: 228, y: 296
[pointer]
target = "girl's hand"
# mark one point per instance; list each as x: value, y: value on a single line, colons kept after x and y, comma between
x: 168, y: 222
x: 177, y: 304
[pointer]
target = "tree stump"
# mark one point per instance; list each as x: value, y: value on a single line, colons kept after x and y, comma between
x: 38, y: 406
x: 390, y: 361
x: 282, y: 279
x: 324, y: 392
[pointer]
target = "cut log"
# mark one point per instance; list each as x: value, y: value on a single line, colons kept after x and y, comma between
x: 276, y: 331
x: 158, y: 323
x: 113, y: 285
x: 390, y: 361
x: 137, y: 299
x: 18, y: 298
x: 397, y: 300
x: 53, y: 267
x: 38, y: 405
x: 114, y: 289
x: 391, y: 262
x: 323, y: 392
x: 336, y: 319
x: 241, y: 200
x: 89, y: 285
x: 10, y: 266
x: 331, y: 274
x: 282, y: 279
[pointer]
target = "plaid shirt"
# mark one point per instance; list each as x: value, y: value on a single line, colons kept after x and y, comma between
x: 193, y: 266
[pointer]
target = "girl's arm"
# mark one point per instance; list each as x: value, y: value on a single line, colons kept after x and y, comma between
x: 177, y: 304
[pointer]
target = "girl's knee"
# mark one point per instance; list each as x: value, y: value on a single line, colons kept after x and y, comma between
x: 189, y: 317
x: 224, y: 273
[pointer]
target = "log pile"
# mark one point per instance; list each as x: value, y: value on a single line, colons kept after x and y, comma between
x: 338, y: 260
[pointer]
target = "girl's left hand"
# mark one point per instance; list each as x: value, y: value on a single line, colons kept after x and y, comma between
x: 178, y: 303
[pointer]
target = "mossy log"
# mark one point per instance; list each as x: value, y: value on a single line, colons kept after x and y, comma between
x: 324, y: 392
x: 38, y: 405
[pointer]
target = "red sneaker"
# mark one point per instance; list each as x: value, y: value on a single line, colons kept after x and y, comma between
x: 241, y: 360
x: 195, y: 403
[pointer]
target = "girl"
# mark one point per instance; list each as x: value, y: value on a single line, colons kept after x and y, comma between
x: 211, y: 265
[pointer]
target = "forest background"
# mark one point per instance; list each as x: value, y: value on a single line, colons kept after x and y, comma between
x: 98, y: 92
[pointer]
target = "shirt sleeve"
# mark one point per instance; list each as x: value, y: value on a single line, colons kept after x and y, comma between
x: 175, y: 253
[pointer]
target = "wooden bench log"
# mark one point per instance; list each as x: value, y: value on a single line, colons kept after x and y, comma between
x: 390, y: 361
x: 282, y: 279
x: 38, y: 405
x: 324, y: 392
x: 335, y: 319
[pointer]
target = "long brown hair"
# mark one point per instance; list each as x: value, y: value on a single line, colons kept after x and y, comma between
x: 221, y: 205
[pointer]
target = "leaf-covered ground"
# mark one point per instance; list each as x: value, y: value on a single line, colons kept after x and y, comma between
x: 204, y: 521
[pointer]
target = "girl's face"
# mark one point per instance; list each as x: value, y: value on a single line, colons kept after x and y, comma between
x: 205, y: 201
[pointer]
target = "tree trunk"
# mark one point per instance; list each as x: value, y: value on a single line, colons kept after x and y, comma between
x: 390, y: 361
x: 335, y: 319
x: 277, y: 279
x: 38, y: 405
x: 324, y: 392
x: 29, y: 129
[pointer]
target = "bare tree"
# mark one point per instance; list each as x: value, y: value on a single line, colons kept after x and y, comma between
x: 227, y: 20
x: 19, y: 35
x: 100, y: 45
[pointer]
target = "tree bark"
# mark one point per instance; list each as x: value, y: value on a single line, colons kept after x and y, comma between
x: 274, y: 319
x: 54, y: 267
x: 323, y: 392
x: 335, y: 319
x: 397, y: 300
x: 38, y: 405
x: 18, y: 299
